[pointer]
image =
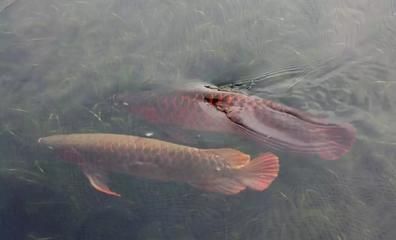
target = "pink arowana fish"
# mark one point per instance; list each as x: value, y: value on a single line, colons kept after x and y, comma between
x: 225, y: 170
x: 266, y: 122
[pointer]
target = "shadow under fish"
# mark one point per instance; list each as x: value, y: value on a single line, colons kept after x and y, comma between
x: 268, y: 123
x: 224, y: 170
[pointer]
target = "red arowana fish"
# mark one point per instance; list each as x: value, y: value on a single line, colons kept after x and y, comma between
x: 272, y: 124
x: 222, y: 170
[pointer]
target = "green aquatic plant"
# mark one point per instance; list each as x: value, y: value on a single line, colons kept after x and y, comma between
x: 60, y: 62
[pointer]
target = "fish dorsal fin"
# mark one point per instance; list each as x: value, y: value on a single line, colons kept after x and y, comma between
x: 235, y: 158
x: 257, y: 174
x: 98, y: 180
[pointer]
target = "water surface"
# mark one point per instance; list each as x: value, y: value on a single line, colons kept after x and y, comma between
x: 60, y: 61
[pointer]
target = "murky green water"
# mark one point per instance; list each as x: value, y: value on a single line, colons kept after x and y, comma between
x: 60, y: 61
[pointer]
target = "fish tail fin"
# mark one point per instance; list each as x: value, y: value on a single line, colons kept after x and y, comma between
x: 340, y: 140
x: 260, y: 172
x: 256, y: 174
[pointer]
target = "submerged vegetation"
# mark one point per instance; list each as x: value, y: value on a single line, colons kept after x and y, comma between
x: 61, y: 61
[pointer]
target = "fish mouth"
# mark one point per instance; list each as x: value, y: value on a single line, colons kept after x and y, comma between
x: 41, y: 141
x: 114, y: 99
x: 118, y: 100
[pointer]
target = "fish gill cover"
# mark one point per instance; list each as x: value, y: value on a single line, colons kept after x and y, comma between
x: 61, y: 61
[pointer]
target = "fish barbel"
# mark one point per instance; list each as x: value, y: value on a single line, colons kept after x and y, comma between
x: 223, y: 170
x: 272, y: 124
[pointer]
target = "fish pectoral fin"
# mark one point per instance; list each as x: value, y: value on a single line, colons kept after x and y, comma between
x: 234, y: 113
x: 99, y: 182
x: 227, y: 186
x: 242, y: 117
x: 296, y: 131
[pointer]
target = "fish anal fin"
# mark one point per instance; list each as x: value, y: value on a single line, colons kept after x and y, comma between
x: 227, y: 186
x: 260, y: 172
x: 234, y: 157
x: 257, y: 174
x: 99, y: 181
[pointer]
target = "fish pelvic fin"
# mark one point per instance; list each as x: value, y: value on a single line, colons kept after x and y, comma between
x: 232, y: 156
x: 99, y: 181
x: 260, y: 172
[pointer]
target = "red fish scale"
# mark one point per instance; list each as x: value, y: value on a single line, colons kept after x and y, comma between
x: 274, y: 124
x: 122, y: 153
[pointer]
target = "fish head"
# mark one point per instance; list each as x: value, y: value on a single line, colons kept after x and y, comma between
x: 123, y: 100
x: 143, y: 104
x: 132, y: 102
x: 66, y: 146
x: 52, y: 142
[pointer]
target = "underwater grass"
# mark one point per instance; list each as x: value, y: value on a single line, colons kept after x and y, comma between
x: 61, y: 61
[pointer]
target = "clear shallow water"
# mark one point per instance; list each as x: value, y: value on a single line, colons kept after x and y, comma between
x: 60, y: 61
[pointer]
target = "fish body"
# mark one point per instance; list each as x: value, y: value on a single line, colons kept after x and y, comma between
x: 186, y: 109
x: 269, y: 123
x: 226, y: 171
